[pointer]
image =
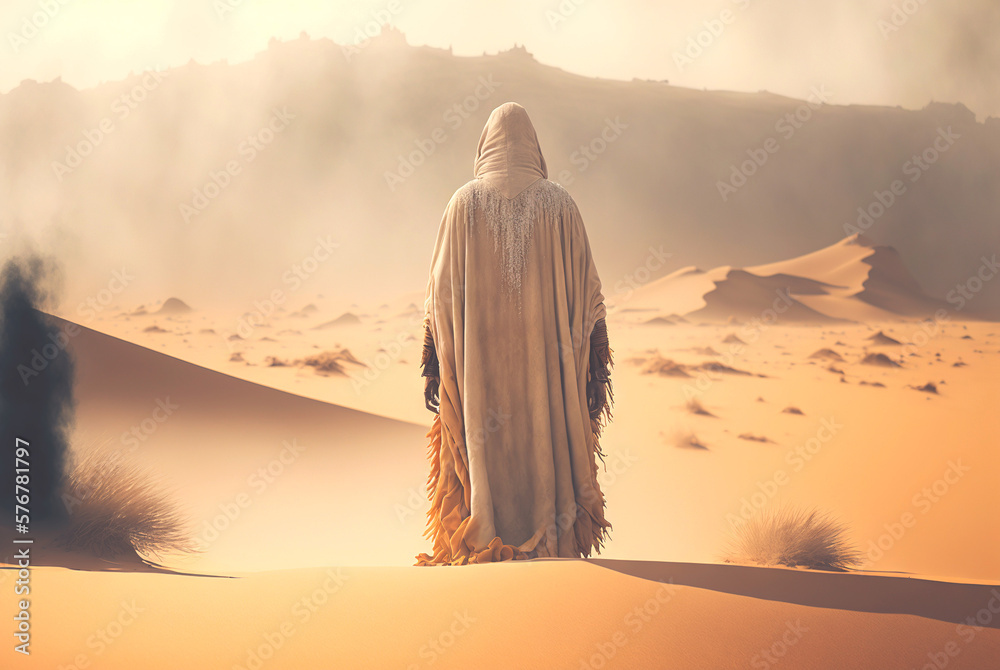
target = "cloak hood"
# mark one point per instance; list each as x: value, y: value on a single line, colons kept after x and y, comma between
x: 509, y: 156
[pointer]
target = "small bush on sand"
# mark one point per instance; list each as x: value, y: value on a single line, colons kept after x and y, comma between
x: 118, y: 508
x: 793, y: 537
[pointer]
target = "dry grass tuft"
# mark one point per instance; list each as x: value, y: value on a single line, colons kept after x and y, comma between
x: 793, y: 537
x: 118, y: 508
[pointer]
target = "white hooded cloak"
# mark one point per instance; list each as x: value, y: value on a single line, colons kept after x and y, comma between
x: 512, y: 300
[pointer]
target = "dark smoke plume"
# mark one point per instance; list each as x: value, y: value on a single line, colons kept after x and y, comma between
x: 36, y: 388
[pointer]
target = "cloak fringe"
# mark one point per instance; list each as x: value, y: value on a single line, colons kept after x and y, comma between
x: 449, y: 515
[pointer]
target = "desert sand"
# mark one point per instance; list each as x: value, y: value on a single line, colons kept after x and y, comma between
x: 613, y: 615
x: 297, y: 453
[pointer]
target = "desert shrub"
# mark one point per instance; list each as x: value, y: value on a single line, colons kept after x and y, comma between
x: 118, y: 508
x: 793, y: 537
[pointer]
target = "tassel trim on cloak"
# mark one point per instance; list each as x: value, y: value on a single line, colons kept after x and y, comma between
x: 449, y: 514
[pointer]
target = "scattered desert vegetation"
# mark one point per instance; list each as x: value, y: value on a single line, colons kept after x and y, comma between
x: 689, y: 441
x: 881, y: 339
x: 750, y: 437
x: 695, y: 407
x: 880, y: 360
x: 827, y: 354
x: 666, y: 367
x: 117, y: 508
x: 794, y: 538
x: 330, y: 362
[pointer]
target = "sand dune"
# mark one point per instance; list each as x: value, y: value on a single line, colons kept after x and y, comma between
x: 853, y: 280
x: 297, y: 463
x: 612, y: 614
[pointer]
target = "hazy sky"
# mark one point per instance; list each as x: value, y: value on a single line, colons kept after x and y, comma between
x: 864, y: 51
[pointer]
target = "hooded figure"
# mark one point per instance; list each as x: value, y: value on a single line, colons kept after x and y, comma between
x: 516, y: 361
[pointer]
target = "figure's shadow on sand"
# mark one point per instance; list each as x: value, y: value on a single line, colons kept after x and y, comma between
x: 859, y: 592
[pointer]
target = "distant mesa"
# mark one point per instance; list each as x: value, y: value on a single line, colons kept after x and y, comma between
x: 881, y: 339
x: 174, y: 306
x: 345, y: 319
